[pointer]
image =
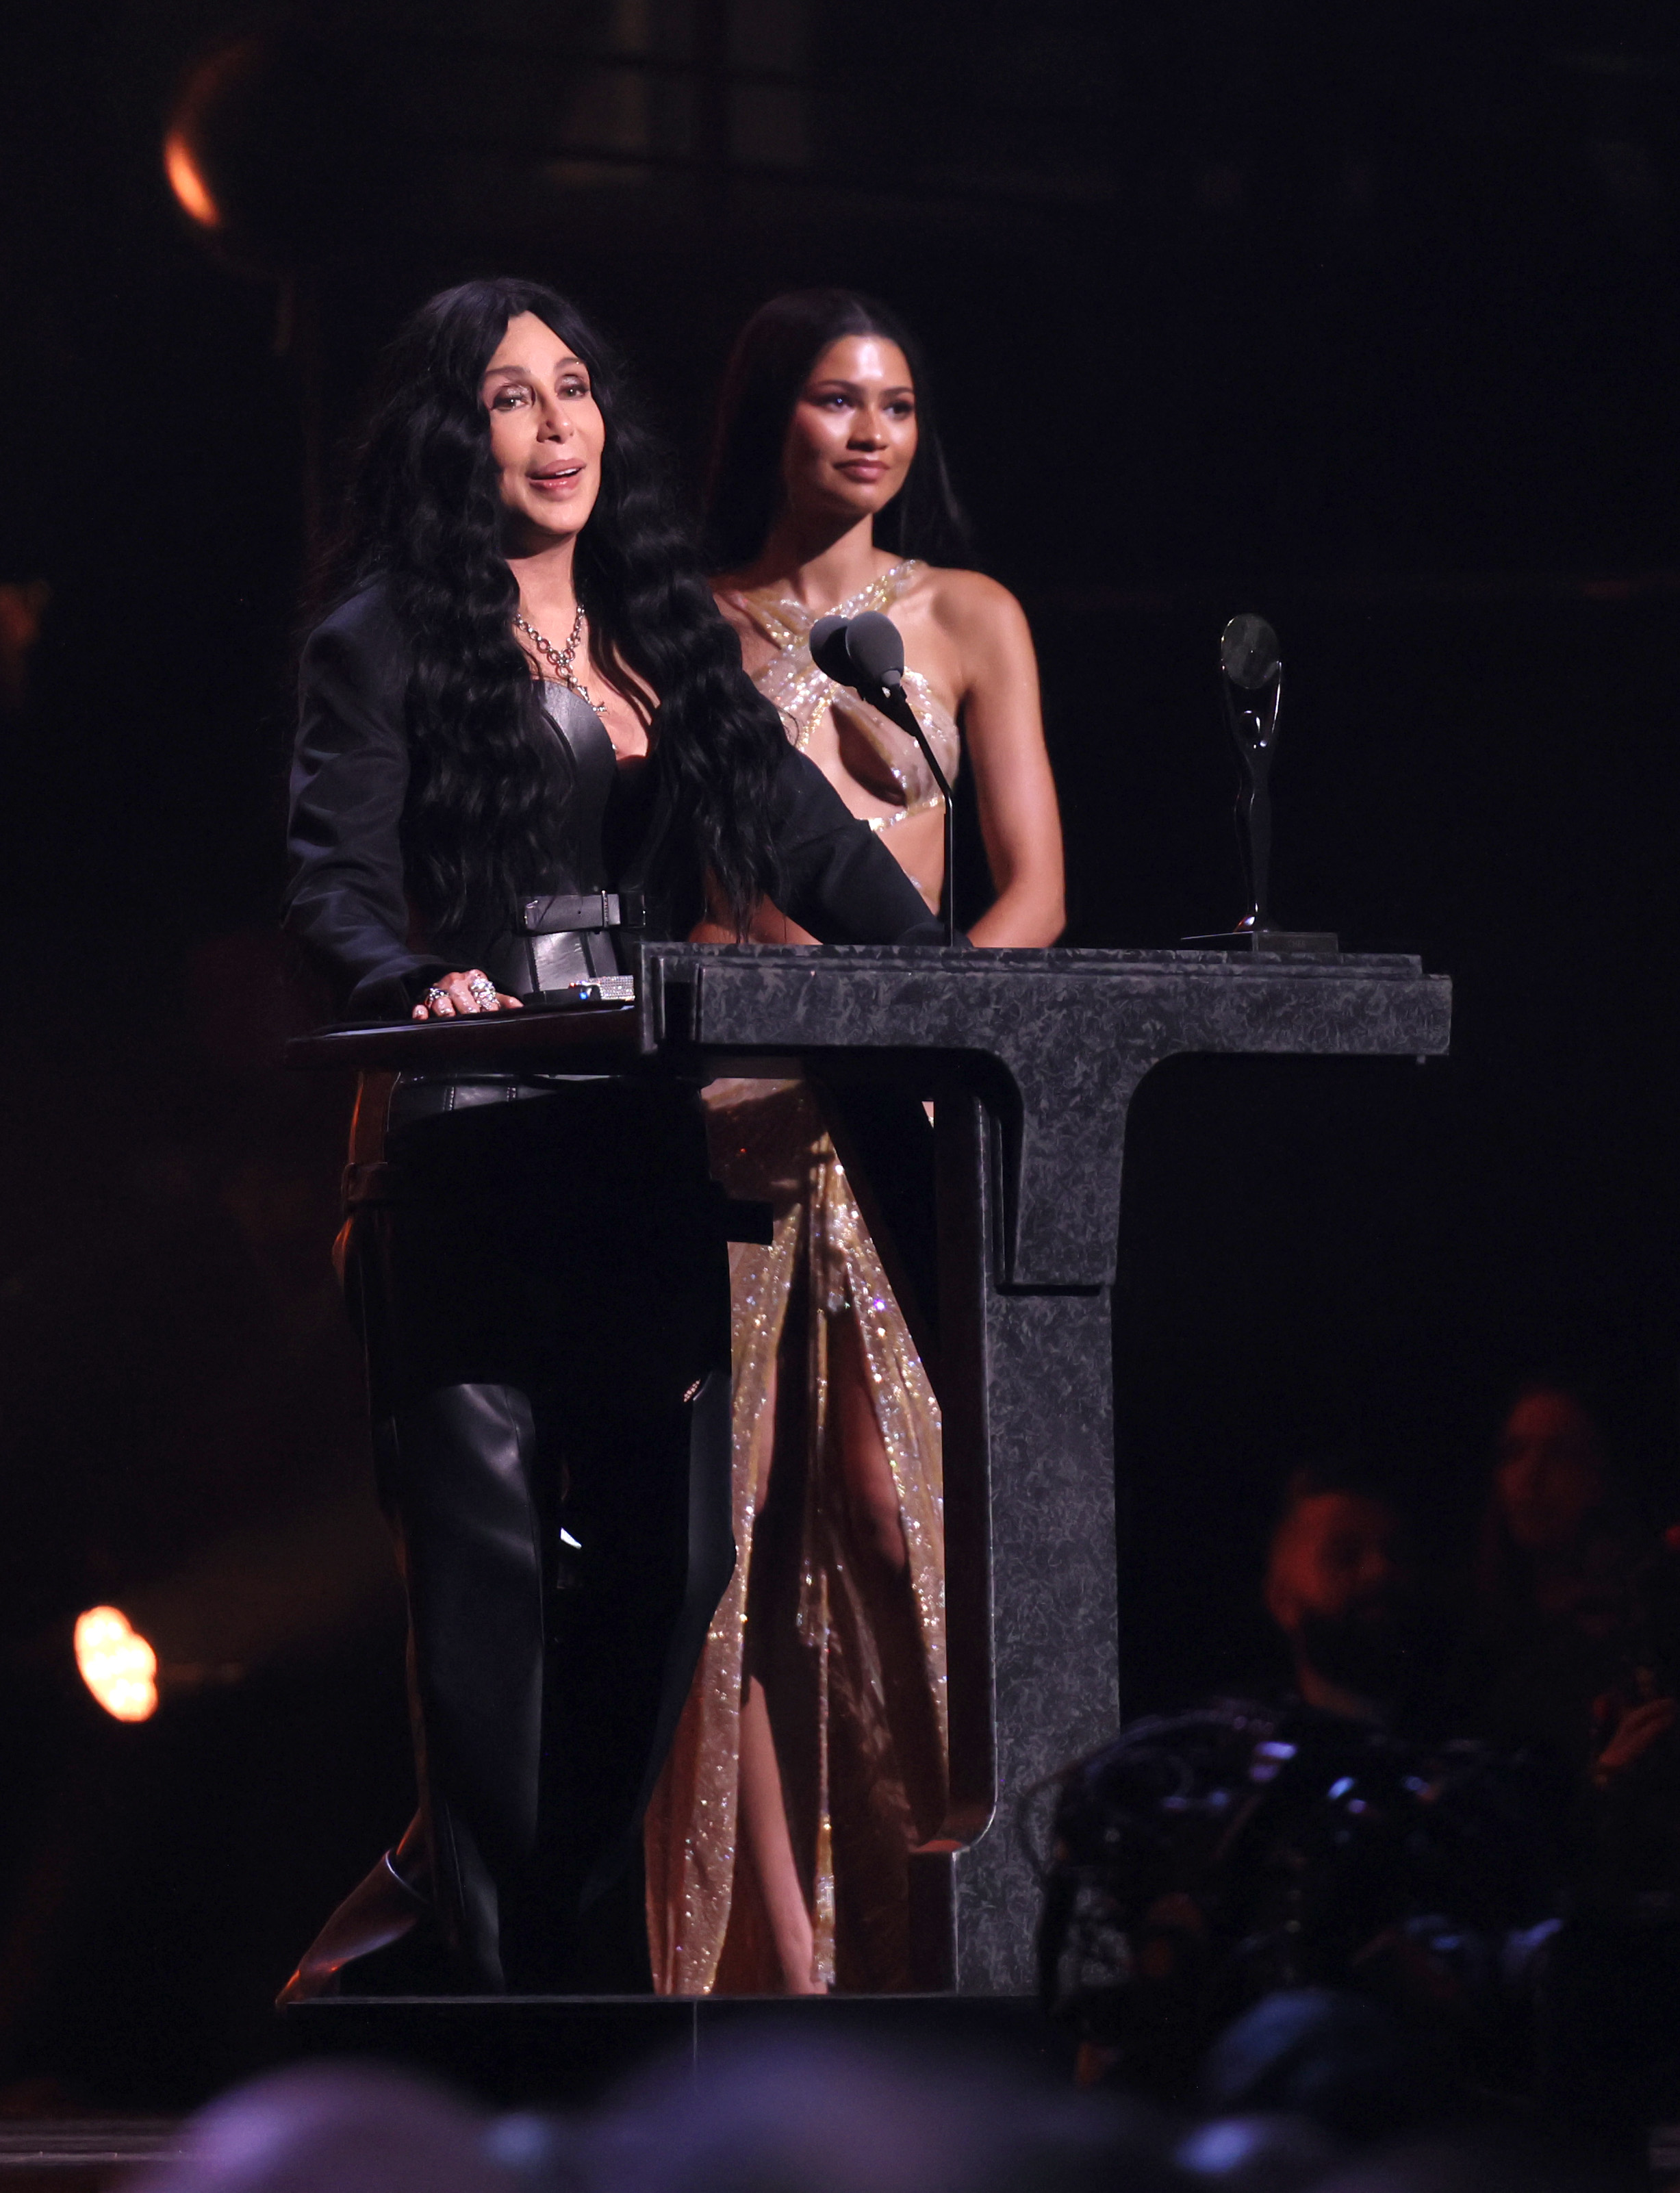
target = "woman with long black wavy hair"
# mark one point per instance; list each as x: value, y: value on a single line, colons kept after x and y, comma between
x: 523, y: 729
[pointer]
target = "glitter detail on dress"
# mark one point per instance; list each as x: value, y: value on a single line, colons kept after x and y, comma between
x: 872, y: 1780
x: 877, y: 1762
x: 802, y: 692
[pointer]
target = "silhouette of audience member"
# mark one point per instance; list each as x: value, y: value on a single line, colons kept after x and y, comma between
x: 334, y: 2128
x: 1341, y: 1584
x: 1558, y: 1609
x: 1327, y: 2057
x: 772, y: 2113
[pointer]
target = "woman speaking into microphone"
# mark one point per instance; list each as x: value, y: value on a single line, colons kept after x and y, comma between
x: 524, y: 727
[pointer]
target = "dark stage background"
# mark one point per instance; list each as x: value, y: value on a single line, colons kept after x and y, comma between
x: 1367, y: 319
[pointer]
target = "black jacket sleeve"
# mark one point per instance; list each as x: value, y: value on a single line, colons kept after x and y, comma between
x: 350, y: 776
x: 838, y: 880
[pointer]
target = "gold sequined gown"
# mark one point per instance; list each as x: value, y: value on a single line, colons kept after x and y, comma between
x: 853, y: 1672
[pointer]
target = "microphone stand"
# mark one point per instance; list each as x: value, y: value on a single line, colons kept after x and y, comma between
x: 890, y: 699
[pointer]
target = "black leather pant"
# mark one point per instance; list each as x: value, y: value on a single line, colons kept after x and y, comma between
x: 544, y: 1292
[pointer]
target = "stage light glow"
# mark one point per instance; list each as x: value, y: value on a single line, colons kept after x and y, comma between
x: 116, y: 1663
x: 187, y: 184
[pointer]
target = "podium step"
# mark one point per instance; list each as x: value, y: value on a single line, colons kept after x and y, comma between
x: 532, y: 2050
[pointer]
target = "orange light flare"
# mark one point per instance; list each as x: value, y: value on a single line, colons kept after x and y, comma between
x: 116, y: 1663
x: 188, y: 184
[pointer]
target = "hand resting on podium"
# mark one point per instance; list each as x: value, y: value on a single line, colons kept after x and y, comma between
x: 469, y: 991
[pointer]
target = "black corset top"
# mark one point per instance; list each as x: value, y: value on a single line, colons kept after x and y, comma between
x: 569, y: 934
x: 579, y: 858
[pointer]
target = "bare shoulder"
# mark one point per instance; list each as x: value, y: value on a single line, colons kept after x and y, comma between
x: 966, y: 602
x: 972, y: 608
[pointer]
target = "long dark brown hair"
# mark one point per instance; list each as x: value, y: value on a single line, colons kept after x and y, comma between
x: 770, y: 364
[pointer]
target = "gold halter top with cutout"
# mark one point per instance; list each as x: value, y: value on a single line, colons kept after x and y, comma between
x: 800, y: 692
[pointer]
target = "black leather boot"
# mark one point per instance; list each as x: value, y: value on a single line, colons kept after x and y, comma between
x: 543, y: 1291
x: 464, y: 1492
x: 389, y: 1910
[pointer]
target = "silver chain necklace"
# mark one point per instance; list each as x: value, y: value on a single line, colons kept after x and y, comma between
x: 562, y: 658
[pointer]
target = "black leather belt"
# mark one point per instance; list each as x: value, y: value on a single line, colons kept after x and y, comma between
x: 587, y: 911
x: 419, y: 1099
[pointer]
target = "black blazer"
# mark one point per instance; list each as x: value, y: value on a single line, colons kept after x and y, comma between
x: 345, y: 899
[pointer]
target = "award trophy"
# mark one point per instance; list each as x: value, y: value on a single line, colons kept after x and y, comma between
x: 1251, y: 685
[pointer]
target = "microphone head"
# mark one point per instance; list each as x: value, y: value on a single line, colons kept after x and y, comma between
x: 1248, y: 653
x: 876, y: 651
x: 828, y: 650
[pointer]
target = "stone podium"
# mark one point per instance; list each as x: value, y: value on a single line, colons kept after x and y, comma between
x: 999, y: 1229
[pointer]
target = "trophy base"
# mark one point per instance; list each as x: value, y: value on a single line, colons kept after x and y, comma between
x: 1299, y: 943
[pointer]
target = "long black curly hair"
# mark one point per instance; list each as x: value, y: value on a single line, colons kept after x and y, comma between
x: 424, y: 515
x: 770, y: 364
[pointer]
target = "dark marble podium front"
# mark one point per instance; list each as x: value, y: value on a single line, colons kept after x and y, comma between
x: 1001, y: 1230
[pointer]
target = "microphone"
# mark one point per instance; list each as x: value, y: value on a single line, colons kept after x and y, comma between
x: 866, y: 653
x: 866, y: 647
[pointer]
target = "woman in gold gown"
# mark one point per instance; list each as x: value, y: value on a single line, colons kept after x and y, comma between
x: 811, y: 1758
